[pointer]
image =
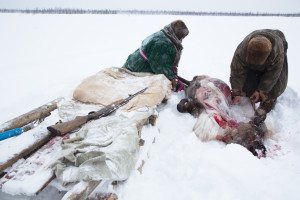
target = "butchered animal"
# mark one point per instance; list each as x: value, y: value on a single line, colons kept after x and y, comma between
x: 209, y: 100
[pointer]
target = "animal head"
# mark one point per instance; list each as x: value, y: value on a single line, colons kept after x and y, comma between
x: 193, y: 107
x: 194, y: 85
x: 248, y: 135
x: 191, y: 104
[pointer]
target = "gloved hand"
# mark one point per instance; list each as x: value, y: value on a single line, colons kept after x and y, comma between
x: 177, y: 85
x: 264, y: 95
x: 255, y: 97
x: 174, y: 84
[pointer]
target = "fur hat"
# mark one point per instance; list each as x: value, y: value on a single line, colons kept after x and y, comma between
x: 259, y: 48
x: 179, y: 29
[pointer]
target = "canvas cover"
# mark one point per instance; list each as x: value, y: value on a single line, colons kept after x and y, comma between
x: 104, y: 149
x: 113, y: 84
x: 107, y: 149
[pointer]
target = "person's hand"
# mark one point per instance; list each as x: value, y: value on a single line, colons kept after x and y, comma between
x: 254, y: 97
x: 174, y: 84
x: 237, y: 100
x: 177, y: 85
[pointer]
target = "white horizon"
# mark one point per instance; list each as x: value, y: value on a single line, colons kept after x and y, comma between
x: 269, y: 6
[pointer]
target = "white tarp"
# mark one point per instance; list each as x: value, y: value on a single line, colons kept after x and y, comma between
x: 106, y: 149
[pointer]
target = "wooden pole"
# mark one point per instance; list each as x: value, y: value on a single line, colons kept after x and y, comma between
x: 40, y: 112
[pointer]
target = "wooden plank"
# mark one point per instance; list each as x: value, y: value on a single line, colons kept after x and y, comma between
x: 46, y: 183
x: 35, y: 167
x: 105, y: 196
x: 25, y: 152
x: 30, y: 116
x: 81, y: 190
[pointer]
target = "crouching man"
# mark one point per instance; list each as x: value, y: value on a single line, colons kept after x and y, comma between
x: 259, y: 69
x: 160, y: 53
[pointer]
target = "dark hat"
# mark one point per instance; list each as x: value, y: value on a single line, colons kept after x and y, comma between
x: 179, y: 29
x: 259, y: 48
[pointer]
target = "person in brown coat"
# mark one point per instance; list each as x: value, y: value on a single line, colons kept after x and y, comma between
x: 259, y: 69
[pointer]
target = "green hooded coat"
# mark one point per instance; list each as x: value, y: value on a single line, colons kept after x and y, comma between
x: 160, y: 52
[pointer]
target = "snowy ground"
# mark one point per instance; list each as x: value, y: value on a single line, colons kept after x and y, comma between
x: 43, y: 57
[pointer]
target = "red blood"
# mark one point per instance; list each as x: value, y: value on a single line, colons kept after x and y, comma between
x: 223, y: 123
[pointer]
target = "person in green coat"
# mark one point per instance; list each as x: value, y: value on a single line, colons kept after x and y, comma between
x: 259, y: 69
x: 160, y: 53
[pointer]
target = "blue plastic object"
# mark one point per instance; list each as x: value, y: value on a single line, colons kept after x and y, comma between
x: 10, y: 133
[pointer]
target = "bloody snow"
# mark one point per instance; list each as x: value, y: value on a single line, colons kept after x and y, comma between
x: 44, y: 57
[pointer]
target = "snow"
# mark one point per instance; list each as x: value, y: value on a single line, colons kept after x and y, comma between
x: 24, y: 141
x: 181, y: 166
x: 43, y: 57
x: 17, y: 186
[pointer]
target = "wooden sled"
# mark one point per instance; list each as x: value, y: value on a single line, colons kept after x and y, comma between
x: 38, y: 164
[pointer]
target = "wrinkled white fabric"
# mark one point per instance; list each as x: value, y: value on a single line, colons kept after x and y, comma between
x: 104, y: 149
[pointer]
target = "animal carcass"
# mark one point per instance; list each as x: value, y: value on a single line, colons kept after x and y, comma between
x: 209, y: 99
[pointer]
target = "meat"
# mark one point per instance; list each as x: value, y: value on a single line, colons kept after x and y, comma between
x: 209, y: 94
